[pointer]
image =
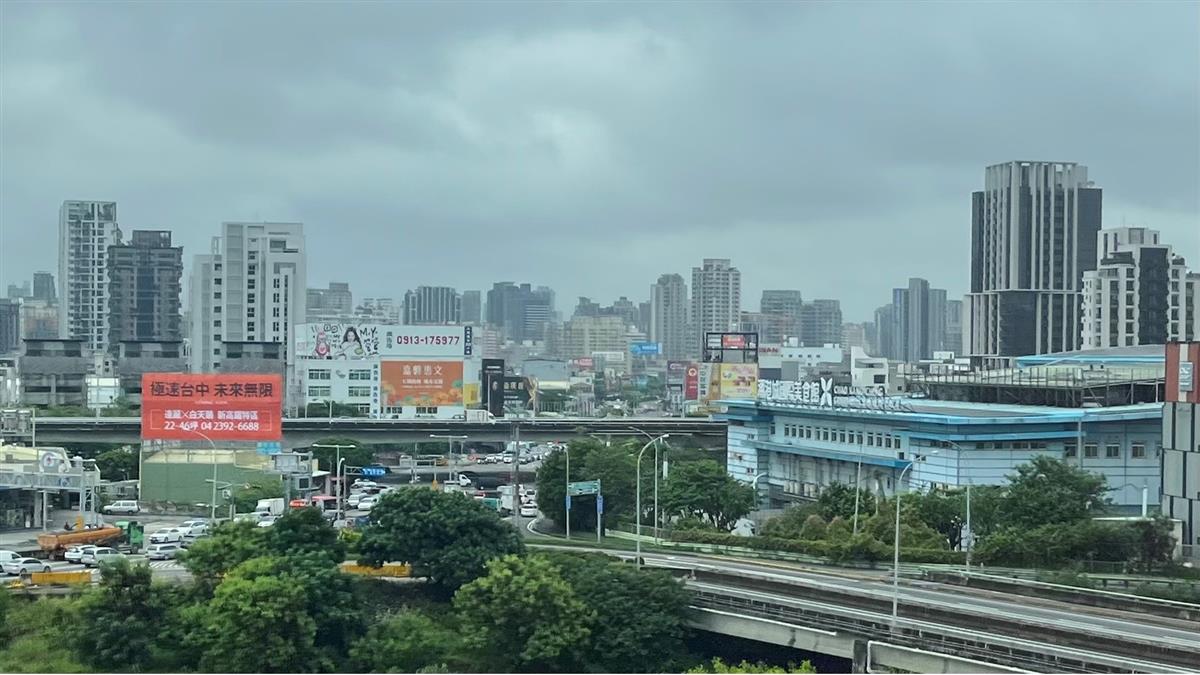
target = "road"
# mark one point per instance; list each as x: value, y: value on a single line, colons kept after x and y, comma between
x: 877, y: 584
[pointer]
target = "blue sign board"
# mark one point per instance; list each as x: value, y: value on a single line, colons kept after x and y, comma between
x: 645, y: 348
x: 373, y: 471
x: 568, y: 502
x: 269, y: 447
x: 599, y: 504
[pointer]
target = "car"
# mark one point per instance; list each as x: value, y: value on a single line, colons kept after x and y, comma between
x: 197, y: 526
x: 74, y: 553
x: 508, y: 459
x: 167, y: 535
x: 126, y: 507
x: 353, y: 500
x: 529, y: 510
x: 189, y: 539
x: 25, y: 566
x: 367, y: 503
x: 5, y: 556
x: 162, y: 551
x: 99, y: 555
x: 267, y: 521
x: 361, y: 483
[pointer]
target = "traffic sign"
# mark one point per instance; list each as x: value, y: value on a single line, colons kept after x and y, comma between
x: 586, y: 487
x: 373, y: 471
x: 568, y: 502
x: 599, y: 504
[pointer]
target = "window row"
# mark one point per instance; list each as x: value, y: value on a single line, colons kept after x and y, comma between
x: 869, y: 439
x: 1111, y: 450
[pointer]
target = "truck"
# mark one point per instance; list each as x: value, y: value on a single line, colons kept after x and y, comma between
x: 54, y: 544
x: 274, y: 507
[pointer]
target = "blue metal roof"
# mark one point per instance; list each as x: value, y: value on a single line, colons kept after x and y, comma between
x: 964, y: 413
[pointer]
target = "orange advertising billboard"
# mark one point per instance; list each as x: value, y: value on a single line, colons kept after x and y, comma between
x: 421, y: 383
x: 227, y: 407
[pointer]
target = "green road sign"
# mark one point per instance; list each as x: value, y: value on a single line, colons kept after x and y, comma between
x: 585, y: 487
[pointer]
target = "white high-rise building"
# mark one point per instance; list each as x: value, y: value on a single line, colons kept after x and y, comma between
x: 1139, y: 292
x: 669, y: 317
x: 716, y: 298
x: 251, y: 288
x: 85, y: 231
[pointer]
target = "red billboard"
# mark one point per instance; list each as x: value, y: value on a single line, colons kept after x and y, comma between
x: 184, y: 407
x: 691, y: 382
x: 733, y: 341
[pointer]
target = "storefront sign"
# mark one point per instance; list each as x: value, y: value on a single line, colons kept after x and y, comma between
x: 824, y: 393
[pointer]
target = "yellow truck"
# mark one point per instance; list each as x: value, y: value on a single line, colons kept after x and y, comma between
x: 55, y: 544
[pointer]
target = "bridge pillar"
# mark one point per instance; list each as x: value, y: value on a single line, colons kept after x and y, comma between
x: 859, y: 660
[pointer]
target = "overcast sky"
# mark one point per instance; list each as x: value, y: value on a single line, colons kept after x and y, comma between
x: 592, y: 147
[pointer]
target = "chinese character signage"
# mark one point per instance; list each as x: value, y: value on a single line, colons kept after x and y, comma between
x: 228, y: 407
x: 1182, y: 359
x: 422, y: 383
x: 339, y: 340
x: 739, y: 381
x: 824, y: 393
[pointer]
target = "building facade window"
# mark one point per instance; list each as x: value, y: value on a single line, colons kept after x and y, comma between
x: 1091, y: 450
x: 360, y: 375
x: 319, y: 374
x: 1070, y: 450
x: 320, y: 392
x: 359, y: 391
x: 1137, y: 451
x: 1112, y: 450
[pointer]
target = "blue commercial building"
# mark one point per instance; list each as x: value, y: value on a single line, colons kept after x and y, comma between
x: 791, y: 451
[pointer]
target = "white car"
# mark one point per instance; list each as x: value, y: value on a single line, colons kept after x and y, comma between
x: 100, y: 555
x: 267, y: 521
x: 529, y: 510
x: 74, y: 553
x: 25, y: 566
x: 168, y: 535
x: 162, y: 551
x: 125, y: 507
x: 196, y: 527
x: 508, y: 459
x: 367, y: 503
x: 364, y: 484
x: 353, y: 500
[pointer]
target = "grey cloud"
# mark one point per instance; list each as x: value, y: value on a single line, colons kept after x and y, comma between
x: 826, y: 147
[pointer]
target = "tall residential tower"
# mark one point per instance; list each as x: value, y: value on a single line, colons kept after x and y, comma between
x: 85, y: 231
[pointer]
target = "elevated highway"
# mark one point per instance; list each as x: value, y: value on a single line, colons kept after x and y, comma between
x: 843, y: 613
x: 300, y: 432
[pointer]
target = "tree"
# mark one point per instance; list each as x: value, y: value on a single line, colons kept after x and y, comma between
x: 118, y: 463
x: 36, y: 637
x: 837, y: 501
x: 839, y: 530
x: 1155, y: 540
x: 614, y: 466
x: 914, y: 533
x: 301, y: 531
x: 814, y: 528
x: 719, y: 666
x: 407, y: 641
x: 446, y: 537
x: 231, y: 544
x: 259, y: 623
x: 1047, y: 490
x: 703, y: 489
x: 354, y: 455
x: 640, y: 616
x: 788, y: 524
x: 119, y: 621
x: 524, y: 616
x: 246, y: 497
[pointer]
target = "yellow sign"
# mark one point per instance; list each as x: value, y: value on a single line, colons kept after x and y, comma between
x: 471, y: 394
x: 60, y: 578
x: 387, y: 570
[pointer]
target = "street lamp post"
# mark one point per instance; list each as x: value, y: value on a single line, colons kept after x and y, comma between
x: 896, y: 542
x: 657, y: 468
x: 450, y: 438
x: 337, y: 468
x: 213, y: 503
x: 638, y: 493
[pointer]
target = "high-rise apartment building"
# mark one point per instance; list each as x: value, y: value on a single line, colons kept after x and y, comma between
x: 10, y: 326
x: 144, y: 283
x: 854, y: 335
x: 251, y: 288
x: 669, y: 317
x: 917, y: 323
x: 431, y: 305
x: 885, y: 343
x: 520, y: 312
x: 85, y: 231
x: 954, y: 327
x: 583, y: 335
x: 716, y: 298
x: 821, y: 323
x: 1138, y: 293
x: 1033, y: 235
x: 334, y: 302
x: 783, y: 310
x: 43, y: 287
x: 470, y: 307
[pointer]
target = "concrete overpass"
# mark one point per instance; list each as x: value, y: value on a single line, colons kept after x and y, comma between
x: 300, y: 432
x: 939, y: 627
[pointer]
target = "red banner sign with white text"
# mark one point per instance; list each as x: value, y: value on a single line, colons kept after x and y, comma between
x: 227, y: 407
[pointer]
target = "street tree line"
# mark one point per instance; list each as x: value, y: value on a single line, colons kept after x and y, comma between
x: 276, y: 600
x: 1042, y: 517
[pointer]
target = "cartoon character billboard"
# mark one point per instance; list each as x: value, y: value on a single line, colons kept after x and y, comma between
x: 739, y: 381
x: 348, y: 340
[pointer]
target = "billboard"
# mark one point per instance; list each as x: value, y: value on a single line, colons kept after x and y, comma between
x: 227, y: 407
x: 676, y: 371
x: 691, y: 382
x: 738, y: 381
x: 421, y: 383
x: 352, y: 340
x: 490, y: 379
x: 705, y: 389
x: 645, y: 348
x: 730, y: 348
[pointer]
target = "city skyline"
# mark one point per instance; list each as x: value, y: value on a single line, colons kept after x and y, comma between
x: 497, y: 139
